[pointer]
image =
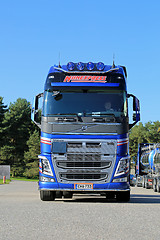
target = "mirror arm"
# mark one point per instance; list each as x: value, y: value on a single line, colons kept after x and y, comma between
x: 34, y: 110
x: 131, y: 125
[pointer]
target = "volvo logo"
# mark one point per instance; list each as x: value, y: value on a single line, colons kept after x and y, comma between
x: 110, y: 143
x: 84, y: 128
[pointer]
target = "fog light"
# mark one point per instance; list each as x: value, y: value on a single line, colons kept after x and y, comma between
x: 45, y: 179
x: 120, y: 179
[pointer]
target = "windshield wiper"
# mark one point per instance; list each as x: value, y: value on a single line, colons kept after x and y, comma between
x: 108, y: 116
x: 78, y: 115
x: 94, y: 114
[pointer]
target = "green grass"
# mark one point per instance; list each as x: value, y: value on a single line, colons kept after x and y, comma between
x: 18, y: 178
x: 7, y: 181
x: 24, y: 179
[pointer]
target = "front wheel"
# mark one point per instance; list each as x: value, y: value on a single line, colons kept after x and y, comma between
x: 123, y: 196
x: 67, y: 194
x: 47, y: 195
x: 110, y: 195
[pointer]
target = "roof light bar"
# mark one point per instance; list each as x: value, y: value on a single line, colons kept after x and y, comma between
x: 82, y: 66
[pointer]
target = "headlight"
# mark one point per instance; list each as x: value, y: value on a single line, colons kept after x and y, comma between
x: 45, y: 166
x: 123, y: 166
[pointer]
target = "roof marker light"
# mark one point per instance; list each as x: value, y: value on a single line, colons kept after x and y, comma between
x: 100, y: 66
x: 90, y: 66
x: 80, y: 66
x: 70, y: 66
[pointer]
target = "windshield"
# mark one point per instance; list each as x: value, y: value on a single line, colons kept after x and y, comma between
x: 85, y: 102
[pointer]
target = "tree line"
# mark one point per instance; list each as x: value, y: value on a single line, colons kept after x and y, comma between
x: 143, y: 133
x: 20, y: 138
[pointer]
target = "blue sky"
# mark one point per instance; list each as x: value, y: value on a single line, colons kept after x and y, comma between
x: 34, y: 32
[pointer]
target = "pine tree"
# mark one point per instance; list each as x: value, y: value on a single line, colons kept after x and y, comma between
x: 17, y: 127
x: 31, y: 156
x: 147, y: 133
x: 3, y: 110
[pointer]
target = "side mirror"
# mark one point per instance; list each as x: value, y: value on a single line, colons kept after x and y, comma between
x: 36, y: 110
x: 134, y: 117
x: 58, y: 97
x: 136, y: 110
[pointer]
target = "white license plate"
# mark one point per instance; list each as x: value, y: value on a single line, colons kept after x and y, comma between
x: 83, y: 186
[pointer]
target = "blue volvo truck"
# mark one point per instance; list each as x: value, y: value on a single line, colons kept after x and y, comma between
x: 84, y: 131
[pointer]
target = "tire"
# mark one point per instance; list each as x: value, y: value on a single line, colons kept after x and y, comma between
x: 47, y: 195
x: 110, y: 195
x: 123, y: 196
x: 67, y: 194
x: 59, y: 194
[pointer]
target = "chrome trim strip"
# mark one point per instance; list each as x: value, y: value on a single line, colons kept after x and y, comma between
x: 83, y: 123
x: 81, y: 133
x: 83, y: 140
x: 92, y: 190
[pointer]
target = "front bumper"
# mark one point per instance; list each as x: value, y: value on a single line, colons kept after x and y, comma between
x: 48, y: 186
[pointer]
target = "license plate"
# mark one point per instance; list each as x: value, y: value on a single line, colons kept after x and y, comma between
x: 83, y: 186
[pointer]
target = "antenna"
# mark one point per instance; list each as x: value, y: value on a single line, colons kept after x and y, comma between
x: 59, y: 61
x: 113, y: 65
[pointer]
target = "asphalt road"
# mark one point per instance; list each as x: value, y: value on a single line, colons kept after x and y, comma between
x: 24, y: 216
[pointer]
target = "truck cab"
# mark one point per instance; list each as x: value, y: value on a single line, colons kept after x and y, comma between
x: 84, y: 131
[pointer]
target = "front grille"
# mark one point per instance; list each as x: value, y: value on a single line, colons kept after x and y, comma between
x: 93, y: 145
x: 80, y: 162
x: 83, y: 157
x: 85, y: 161
x: 83, y: 164
x: 74, y: 145
x: 83, y: 176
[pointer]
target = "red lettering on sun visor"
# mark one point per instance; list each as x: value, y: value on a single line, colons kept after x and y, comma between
x: 99, y: 79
